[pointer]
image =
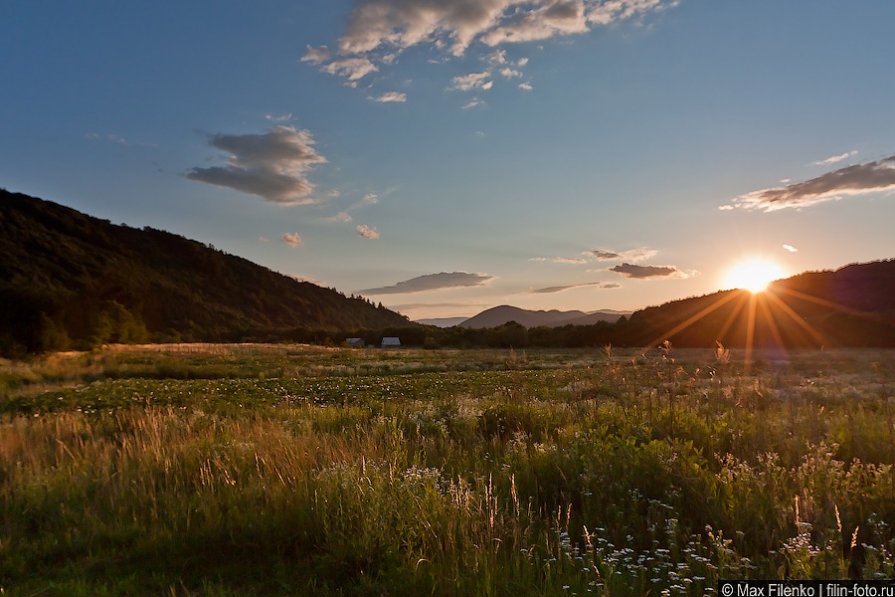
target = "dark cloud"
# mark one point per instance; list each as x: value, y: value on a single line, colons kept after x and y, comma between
x: 629, y: 270
x: 272, y: 165
x: 859, y: 179
x: 432, y: 282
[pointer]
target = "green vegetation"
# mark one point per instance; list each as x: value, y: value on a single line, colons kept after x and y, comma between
x: 285, y: 469
x: 68, y: 280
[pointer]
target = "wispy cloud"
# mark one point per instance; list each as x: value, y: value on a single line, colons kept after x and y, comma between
x: 390, y: 97
x: 278, y: 117
x: 314, y: 55
x: 293, y: 239
x: 370, y: 199
x: 526, y: 86
x: 642, y: 272
x: 565, y: 260
x: 859, y: 179
x: 835, y: 159
x: 353, y: 69
x: 555, y: 289
x: 108, y: 137
x: 367, y: 232
x: 638, y: 254
x: 790, y: 248
x: 409, y: 306
x: 429, y: 282
x: 272, y: 165
x: 342, y: 216
x: 474, y: 103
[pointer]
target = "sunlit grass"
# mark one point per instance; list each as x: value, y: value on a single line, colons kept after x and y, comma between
x: 622, y: 474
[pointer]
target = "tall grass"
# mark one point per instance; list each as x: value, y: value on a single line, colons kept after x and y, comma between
x: 625, y: 477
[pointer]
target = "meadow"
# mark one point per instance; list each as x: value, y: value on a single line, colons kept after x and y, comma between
x: 290, y: 469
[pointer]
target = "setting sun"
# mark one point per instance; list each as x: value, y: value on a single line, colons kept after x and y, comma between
x: 753, y: 275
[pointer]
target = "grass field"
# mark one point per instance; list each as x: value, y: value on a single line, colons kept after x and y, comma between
x: 275, y: 469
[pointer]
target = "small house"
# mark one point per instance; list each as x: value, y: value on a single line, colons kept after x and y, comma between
x: 355, y: 342
x: 391, y: 342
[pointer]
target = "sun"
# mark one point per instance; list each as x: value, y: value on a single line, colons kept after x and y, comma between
x: 753, y: 275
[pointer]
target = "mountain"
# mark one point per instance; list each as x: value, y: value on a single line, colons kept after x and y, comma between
x: 442, y: 322
x: 497, y: 316
x: 71, y: 280
x: 853, y: 306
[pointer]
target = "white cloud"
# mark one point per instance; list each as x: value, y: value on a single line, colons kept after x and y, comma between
x: 353, y: 69
x: 456, y: 24
x: 790, y: 248
x: 278, y: 117
x: 474, y: 103
x: 272, y: 165
x: 859, y: 179
x: 390, y: 97
x: 370, y: 199
x: 510, y: 73
x: 367, y: 232
x: 833, y: 159
x: 379, y: 30
x: 497, y: 57
x: 560, y: 17
x: 472, y: 81
x: 293, y: 239
x: 525, y: 86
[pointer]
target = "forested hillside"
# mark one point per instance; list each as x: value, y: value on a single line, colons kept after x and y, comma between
x: 69, y: 280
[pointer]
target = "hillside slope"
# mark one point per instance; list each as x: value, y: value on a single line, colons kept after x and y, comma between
x: 853, y: 306
x: 71, y: 280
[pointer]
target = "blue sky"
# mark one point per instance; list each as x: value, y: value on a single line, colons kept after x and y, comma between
x: 628, y: 151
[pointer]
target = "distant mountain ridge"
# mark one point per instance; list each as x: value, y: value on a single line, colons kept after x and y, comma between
x: 500, y: 315
x: 853, y: 306
x: 71, y: 280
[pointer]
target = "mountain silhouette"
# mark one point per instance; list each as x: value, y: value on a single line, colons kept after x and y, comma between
x: 497, y: 316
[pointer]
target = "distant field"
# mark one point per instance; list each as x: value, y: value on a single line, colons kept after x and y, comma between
x: 289, y: 469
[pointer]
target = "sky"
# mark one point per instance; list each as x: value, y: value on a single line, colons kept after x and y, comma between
x: 446, y: 156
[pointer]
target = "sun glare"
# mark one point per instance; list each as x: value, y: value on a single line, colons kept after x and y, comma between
x: 753, y: 275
